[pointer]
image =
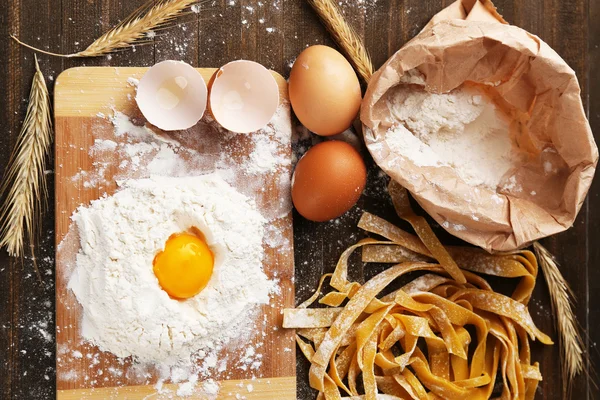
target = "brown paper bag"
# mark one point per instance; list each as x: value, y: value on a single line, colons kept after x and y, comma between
x: 470, y: 42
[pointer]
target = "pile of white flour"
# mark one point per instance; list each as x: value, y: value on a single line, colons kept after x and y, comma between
x: 462, y: 129
x: 125, y: 311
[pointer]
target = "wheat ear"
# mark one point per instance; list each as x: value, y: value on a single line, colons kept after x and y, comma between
x: 562, y: 297
x: 345, y: 36
x: 24, y: 187
x: 152, y: 15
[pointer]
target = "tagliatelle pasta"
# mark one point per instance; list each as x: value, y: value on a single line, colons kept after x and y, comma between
x: 444, y: 335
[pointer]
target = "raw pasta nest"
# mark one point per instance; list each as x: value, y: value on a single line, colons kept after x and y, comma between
x: 378, y: 337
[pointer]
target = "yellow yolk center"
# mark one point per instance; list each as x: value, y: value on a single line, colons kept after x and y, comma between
x: 185, y: 266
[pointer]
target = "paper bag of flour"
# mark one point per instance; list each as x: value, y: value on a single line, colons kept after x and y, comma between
x: 483, y: 123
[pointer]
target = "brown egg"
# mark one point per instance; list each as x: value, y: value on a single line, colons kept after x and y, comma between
x: 328, y: 180
x: 324, y: 91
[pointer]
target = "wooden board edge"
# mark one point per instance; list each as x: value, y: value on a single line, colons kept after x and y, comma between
x: 282, y: 388
x: 71, y: 100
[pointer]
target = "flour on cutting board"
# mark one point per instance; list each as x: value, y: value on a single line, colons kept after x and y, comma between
x: 119, y: 237
x: 141, y: 152
x: 133, y: 153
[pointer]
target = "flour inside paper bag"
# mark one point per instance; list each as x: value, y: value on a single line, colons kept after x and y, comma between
x: 484, y: 124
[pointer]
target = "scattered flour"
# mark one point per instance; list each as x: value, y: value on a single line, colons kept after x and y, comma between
x: 103, y: 145
x: 267, y: 155
x: 131, y: 81
x: 264, y: 157
x: 186, y: 389
x: 210, y: 387
x: 166, y: 162
x: 455, y: 227
x: 462, y: 129
x: 511, y: 185
x: 165, y: 156
x: 124, y: 126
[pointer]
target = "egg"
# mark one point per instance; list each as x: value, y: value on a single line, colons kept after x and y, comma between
x: 172, y: 95
x: 328, y: 180
x: 324, y: 91
x: 185, y: 265
x: 244, y: 96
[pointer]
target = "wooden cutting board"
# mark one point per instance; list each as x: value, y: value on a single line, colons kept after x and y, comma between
x: 83, y: 99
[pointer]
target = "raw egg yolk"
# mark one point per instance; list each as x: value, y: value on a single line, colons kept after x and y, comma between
x: 185, y: 266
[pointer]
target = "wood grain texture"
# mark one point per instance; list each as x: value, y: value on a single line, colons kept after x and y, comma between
x: 274, y: 388
x: 80, y: 95
x: 570, y: 26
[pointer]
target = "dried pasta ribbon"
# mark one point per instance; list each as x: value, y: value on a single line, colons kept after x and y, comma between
x: 316, y: 294
x: 443, y: 335
x: 403, y: 209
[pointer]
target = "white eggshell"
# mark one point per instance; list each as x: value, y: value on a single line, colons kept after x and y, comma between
x: 244, y: 96
x: 166, y: 109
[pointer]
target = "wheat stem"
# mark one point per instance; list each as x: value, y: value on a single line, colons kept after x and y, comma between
x: 153, y: 14
x: 345, y: 36
x: 13, y: 37
x: 23, y: 186
x: 562, y: 297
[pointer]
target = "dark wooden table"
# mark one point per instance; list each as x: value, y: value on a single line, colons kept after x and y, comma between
x: 272, y: 33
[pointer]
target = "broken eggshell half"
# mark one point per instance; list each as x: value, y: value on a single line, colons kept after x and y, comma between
x: 244, y: 96
x: 172, y: 95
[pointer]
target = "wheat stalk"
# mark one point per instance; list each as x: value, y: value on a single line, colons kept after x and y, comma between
x: 345, y: 36
x: 24, y: 187
x: 152, y: 15
x: 561, y: 295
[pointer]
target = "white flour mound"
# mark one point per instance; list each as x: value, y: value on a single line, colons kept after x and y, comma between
x: 462, y: 129
x: 125, y: 311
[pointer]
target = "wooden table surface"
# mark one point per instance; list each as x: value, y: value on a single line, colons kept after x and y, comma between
x: 272, y: 32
